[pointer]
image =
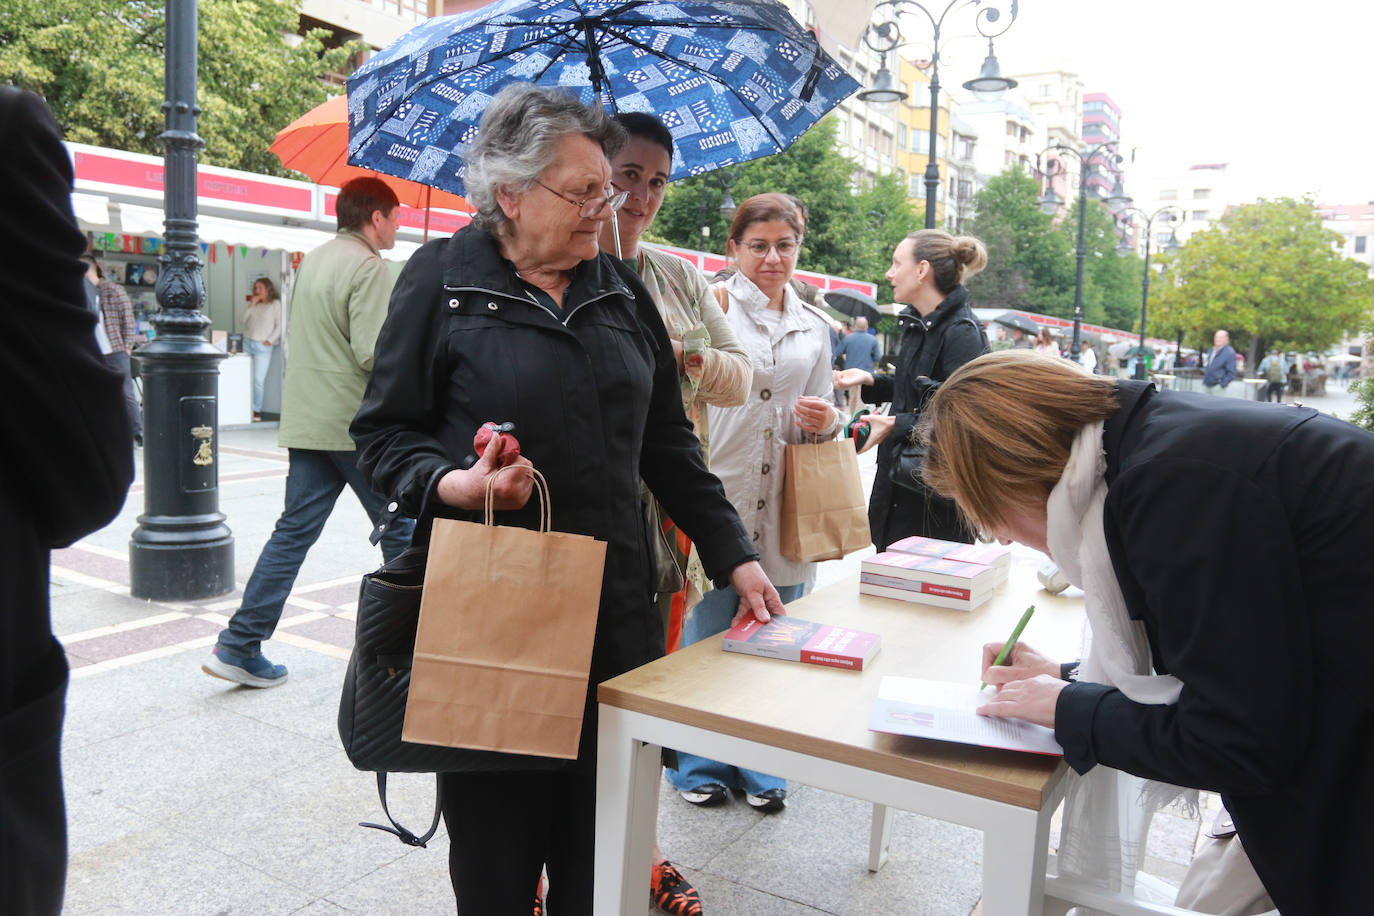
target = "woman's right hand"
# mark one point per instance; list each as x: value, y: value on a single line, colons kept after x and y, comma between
x: 879, y: 428
x: 468, y: 489
x: 1024, y: 663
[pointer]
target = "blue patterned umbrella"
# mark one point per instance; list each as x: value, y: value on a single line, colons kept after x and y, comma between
x: 733, y: 80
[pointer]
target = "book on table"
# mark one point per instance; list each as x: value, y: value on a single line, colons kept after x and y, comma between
x: 996, y: 556
x: 796, y: 640
x: 942, y: 711
x: 927, y: 580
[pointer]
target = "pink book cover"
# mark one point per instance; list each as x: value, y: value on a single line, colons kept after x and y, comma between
x: 912, y: 585
x: 981, y: 554
x: 931, y: 569
x: 797, y: 640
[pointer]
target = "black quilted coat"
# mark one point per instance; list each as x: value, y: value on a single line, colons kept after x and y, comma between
x: 594, y: 396
x: 930, y: 350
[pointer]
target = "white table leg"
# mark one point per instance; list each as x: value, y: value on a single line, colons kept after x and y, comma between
x: 627, y: 774
x: 1015, y: 854
x: 880, y: 836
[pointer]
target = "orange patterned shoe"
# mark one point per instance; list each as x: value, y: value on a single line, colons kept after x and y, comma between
x: 671, y: 893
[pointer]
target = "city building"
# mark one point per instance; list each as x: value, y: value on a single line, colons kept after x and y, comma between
x: 1055, y: 99
x: 1202, y: 192
x: 1355, y: 223
x: 1101, y: 124
x: 1008, y: 134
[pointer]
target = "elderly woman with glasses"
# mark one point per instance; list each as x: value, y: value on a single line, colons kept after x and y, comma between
x: 520, y: 318
x: 790, y: 400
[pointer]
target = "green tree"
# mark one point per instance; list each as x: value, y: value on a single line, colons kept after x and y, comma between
x: 1030, y: 266
x: 844, y: 233
x: 99, y: 65
x: 1111, y: 283
x: 1268, y: 273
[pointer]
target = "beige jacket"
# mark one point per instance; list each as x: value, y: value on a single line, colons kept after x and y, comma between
x: 338, y: 304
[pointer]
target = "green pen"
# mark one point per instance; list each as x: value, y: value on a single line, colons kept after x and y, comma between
x: 1011, y: 642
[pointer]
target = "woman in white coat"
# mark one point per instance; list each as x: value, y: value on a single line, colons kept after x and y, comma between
x: 790, y: 401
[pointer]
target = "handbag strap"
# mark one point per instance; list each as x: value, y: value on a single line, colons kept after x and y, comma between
x: 540, y: 484
x: 396, y: 829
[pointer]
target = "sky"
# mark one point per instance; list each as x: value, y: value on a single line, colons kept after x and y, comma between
x: 1278, y: 89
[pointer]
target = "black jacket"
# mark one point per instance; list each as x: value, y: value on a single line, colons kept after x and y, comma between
x: 930, y: 350
x: 596, y: 404
x: 64, y: 472
x: 1240, y: 533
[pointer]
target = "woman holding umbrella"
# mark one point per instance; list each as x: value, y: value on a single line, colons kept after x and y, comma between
x: 520, y: 318
x: 939, y: 334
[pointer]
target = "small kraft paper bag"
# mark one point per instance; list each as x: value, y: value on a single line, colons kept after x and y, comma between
x: 504, y: 643
x: 824, y: 512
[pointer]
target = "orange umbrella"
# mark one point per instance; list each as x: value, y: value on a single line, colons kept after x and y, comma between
x: 316, y: 145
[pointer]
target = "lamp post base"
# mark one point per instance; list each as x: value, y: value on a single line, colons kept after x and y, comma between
x: 169, y: 561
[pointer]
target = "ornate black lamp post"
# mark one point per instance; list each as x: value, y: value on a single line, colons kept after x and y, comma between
x: 1050, y: 203
x: 1170, y: 214
x: 181, y: 548
x: 887, y: 36
x: 726, y: 178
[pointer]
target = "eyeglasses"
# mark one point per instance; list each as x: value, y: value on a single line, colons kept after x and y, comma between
x: 786, y: 248
x: 592, y: 206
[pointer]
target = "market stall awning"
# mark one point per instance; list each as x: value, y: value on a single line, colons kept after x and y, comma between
x: 137, y: 220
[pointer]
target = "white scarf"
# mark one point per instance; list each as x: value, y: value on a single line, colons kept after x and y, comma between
x: 1106, y: 812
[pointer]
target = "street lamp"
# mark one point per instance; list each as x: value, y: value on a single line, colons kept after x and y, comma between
x: 181, y: 548
x: 887, y: 36
x: 726, y: 178
x: 1170, y: 214
x: 1050, y: 203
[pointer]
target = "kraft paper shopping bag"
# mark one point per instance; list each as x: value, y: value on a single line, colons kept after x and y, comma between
x: 504, y: 643
x: 824, y: 512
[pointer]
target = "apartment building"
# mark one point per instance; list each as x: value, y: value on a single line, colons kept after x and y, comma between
x: 1355, y: 223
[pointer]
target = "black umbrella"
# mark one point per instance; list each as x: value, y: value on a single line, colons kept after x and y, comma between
x: 1017, y: 320
x: 854, y: 304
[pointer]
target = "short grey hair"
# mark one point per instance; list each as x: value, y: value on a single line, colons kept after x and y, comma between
x: 517, y: 140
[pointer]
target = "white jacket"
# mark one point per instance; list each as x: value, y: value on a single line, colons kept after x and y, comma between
x: 747, y: 442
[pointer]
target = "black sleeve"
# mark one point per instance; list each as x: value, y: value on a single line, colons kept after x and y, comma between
x: 965, y: 340
x: 1226, y: 613
x: 72, y: 459
x: 671, y: 462
x: 401, y: 405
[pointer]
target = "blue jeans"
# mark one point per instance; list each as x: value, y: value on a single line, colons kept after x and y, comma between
x: 313, y: 484
x: 262, y: 359
x: 709, y: 618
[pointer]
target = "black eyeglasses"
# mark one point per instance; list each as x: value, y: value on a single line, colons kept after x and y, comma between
x: 592, y: 206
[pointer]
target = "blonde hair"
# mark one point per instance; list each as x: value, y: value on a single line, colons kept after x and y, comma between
x: 952, y: 260
x: 999, y: 430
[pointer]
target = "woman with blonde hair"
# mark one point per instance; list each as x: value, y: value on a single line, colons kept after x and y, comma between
x: 1222, y: 549
x: 261, y: 334
x: 939, y: 334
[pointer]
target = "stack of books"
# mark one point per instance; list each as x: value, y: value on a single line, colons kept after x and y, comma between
x: 928, y: 580
x: 999, y: 558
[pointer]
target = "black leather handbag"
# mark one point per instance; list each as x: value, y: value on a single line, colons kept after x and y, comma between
x: 906, y: 467
x: 377, y: 681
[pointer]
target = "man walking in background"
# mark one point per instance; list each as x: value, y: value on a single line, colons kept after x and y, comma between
x: 858, y: 356
x: 337, y: 309
x: 1221, y: 364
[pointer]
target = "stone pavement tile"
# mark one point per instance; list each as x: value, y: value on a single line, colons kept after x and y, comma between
x: 306, y: 706
x: 933, y: 868
x: 77, y: 609
x: 334, y: 631
x: 140, y: 639
x: 110, y: 704
x: 92, y: 563
x: 721, y: 897
x: 165, y: 868
x: 320, y: 908
x: 302, y: 828
x: 416, y: 884
x: 190, y: 764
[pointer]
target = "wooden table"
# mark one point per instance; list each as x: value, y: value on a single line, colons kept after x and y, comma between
x: 810, y: 723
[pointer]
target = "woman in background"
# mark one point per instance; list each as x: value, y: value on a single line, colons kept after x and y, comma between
x: 261, y: 334
x: 790, y: 401
x: 939, y: 334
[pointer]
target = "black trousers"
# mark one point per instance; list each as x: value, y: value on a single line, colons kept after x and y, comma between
x: 504, y: 828
x: 1274, y: 392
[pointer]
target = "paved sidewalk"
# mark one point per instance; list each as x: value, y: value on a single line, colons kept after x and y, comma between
x: 188, y: 795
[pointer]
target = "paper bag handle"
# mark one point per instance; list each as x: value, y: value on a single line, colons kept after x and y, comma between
x: 541, y: 486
